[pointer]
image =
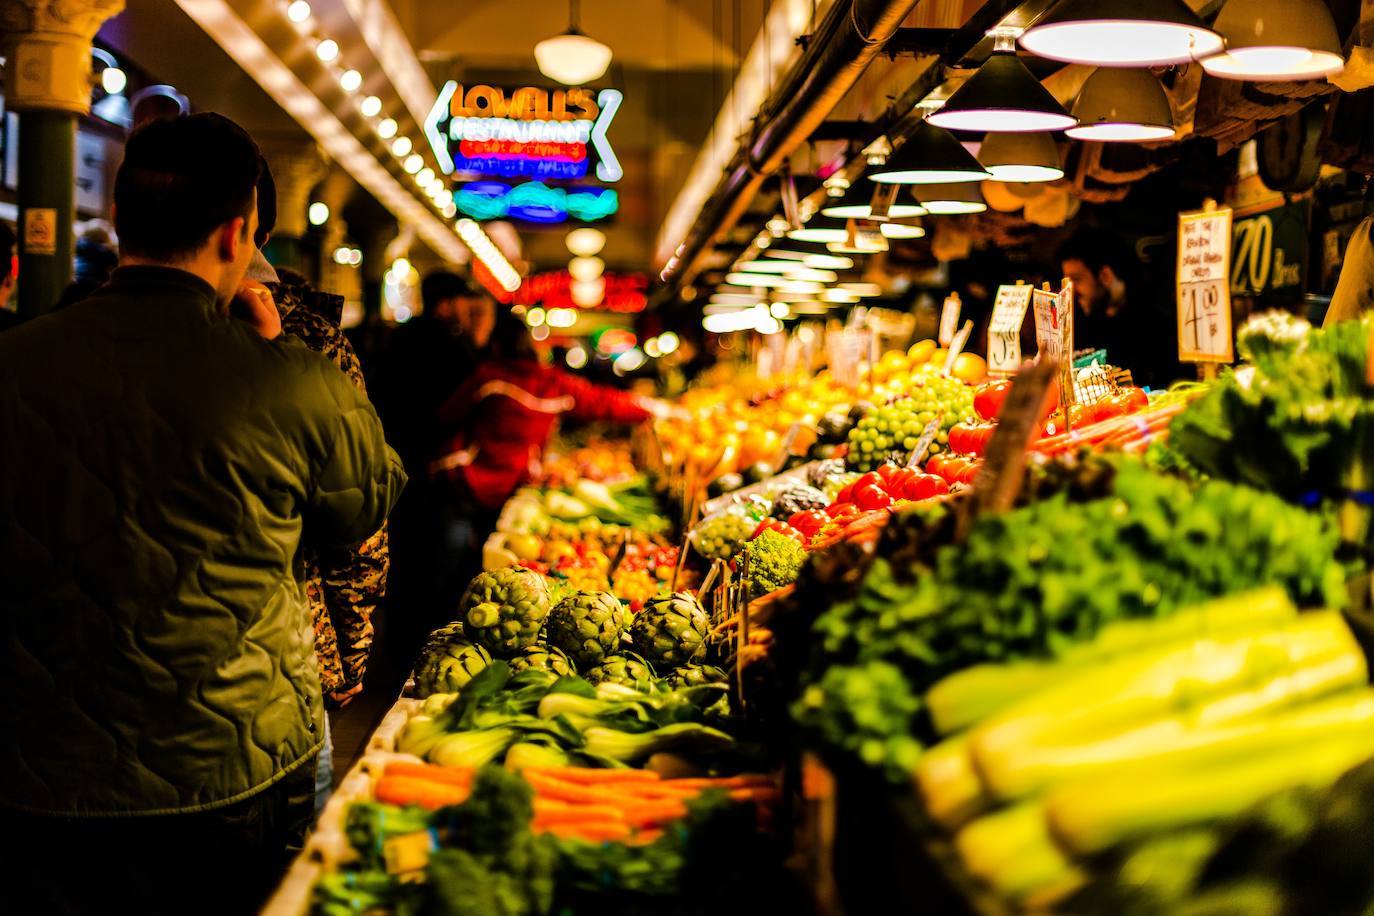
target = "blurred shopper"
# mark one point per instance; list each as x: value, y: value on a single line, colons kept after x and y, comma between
x: 96, y: 259
x: 501, y: 419
x: 1110, y: 312
x: 428, y: 358
x: 8, y: 270
x: 164, y: 465
x: 1355, y: 287
x: 344, y: 585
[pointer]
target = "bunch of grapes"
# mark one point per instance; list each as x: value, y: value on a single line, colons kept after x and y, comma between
x: 723, y: 536
x: 892, y: 431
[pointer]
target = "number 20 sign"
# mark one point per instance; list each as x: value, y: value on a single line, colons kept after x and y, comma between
x: 1204, y: 291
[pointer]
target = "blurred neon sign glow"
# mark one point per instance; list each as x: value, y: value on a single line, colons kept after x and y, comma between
x: 535, y: 202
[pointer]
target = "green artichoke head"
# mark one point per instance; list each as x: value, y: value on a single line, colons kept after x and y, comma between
x: 626, y: 669
x: 503, y: 610
x: 671, y: 630
x: 543, y: 658
x: 588, y: 626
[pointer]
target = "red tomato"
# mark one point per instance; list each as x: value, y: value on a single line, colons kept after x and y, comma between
x: 1133, y: 399
x: 958, y: 438
x: 871, y: 479
x: 923, y: 486
x: 846, y: 494
x: 842, y: 510
x: 871, y: 497
x: 1107, y: 408
x: 954, y: 469
x: 810, y: 521
x: 790, y: 532
x: 987, y: 400
x: 970, y: 473
x: 886, y: 471
x: 765, y: 525
x: 978, y: 437
x: 936, y: 464
x: 941, y: 487
x: 899, y: 480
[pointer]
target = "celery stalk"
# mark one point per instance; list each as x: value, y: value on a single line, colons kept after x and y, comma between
x: 967, y: 697
x: 949, y: 785
x: 1140, y: 800
x: 1282, y: 700
x: 1012, y: 851
x: 1173, y: 681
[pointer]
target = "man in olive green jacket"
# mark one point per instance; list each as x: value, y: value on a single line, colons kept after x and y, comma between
x: 161, y: 466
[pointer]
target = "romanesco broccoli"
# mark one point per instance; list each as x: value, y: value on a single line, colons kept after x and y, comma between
x: 775, y: 560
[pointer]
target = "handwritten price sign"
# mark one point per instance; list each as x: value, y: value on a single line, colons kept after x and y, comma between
x: 1204, y: 291
x: 1053, y: 323
x: 1004, y: 330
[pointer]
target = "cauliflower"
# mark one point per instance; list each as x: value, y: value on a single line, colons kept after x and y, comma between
x: 775, y: 560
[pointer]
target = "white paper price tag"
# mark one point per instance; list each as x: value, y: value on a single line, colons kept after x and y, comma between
x: 1050, y: 324
x: 1204, y: 292
x: 1004, y: 330
x: 949, y: 319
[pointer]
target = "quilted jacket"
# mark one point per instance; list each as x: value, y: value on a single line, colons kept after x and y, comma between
x: 160, y: 468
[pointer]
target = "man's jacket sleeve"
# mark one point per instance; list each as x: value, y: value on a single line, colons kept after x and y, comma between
x: 359, y: 483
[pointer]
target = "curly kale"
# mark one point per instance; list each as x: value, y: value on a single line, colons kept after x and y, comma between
x: 775, y: 560
x: 867, y: 710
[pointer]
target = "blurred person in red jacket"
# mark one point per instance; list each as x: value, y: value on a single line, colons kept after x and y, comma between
x: 499, y: 421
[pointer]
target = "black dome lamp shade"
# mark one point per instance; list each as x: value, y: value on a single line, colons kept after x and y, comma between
x: 1003, y: 97
x: 930, y: 155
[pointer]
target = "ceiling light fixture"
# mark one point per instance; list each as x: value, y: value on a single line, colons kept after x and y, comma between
x: 350, y: 80
x: 902, y: 231
x: 825, y: 229
x: 1021, y: 158
x: 768, y: 266
x: 386, y: 128
x: 930, y: 155
x: 1003, y: 96
x: 1118, y: 105
x: 370, y: 106
x: 857, y: 203
x: 1122, y: 33
x: 327, y: 50
x: 572, y: 58
x: 585, y: 242
x: 1276, y: 40
x: 952, y: 199
x: 812, y: 274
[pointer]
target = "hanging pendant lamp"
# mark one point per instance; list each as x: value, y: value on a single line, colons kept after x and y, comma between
x: 572, y: 58
x: 1122, y: 33
x: 1118, y: 105
x: 1276, y: 40
x: 808, y: 256
x: 857, y: 203
x: 952, y: 199
x: 1003, y: 97
x: 930, y: 155
x: 892, y: 230
x: 823, y: 229
x: 1021, y: 158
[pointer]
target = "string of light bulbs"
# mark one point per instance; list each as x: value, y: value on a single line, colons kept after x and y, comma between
x: 412, y: 161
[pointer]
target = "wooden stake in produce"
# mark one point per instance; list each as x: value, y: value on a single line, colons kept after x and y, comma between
x: 999, y: 479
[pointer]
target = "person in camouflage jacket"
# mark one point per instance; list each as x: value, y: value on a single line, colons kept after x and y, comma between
x: 345, y: 586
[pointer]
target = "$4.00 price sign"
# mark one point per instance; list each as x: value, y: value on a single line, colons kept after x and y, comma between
x: 1004, y: 330
x: 1204, y: 291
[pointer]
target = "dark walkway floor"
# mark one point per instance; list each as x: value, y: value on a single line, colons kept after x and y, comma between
x: 354, y: 724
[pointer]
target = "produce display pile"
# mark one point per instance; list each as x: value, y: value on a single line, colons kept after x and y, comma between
x: 1138, y: 689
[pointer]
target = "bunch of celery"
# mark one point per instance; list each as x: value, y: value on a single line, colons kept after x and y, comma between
x: 1149, y: 729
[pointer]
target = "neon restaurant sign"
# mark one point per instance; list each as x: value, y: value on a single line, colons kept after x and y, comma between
x: 535, y: 202
x: 528, y: 132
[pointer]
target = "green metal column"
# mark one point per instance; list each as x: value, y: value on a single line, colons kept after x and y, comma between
x: 47, y: 191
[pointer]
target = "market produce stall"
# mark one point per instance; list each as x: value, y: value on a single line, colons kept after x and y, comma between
x: 969, y: 644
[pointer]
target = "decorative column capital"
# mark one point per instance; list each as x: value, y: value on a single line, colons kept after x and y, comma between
x: 48, y: 46
x: 297, y: 167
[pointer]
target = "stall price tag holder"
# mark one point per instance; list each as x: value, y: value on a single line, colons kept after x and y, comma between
x: 949, y: 319
x: 923, y: 444
x: 956, y: 347
x: 1204, y: 291
x: 1004, y: 330
x: 1051, y: 324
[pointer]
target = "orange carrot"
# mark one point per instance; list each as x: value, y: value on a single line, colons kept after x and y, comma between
x: 654, y: 813
x: 404, y: 790
x: 594, y: 776
x: 598, y: 832
x: 576, y: 814
x: 457, y: 776
x: 754, y: 794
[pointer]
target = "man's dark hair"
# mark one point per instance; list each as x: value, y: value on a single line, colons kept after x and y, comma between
x: 181, y: 179
x: 443, y: 284
x: 6, y: 252
x: 267, y: 205
x: 1097, y: 249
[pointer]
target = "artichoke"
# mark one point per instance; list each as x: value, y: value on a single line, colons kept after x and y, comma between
x: 448, y: 662
x: 544, y: 658
x: 626, y: 668
x: 588, y: 626
x: 695, y: 676
x: 503, y: 610
x: 671, y: 630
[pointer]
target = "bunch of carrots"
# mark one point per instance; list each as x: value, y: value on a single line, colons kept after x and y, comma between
x: 595, y: 805
x: 1131, y: 432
